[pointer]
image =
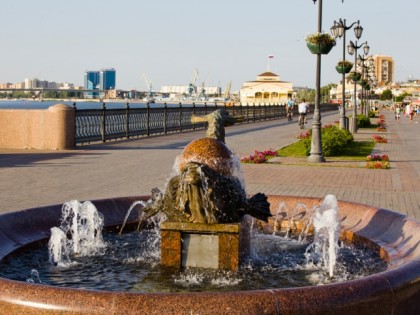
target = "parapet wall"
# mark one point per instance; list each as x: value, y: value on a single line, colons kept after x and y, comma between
x: 47, y: 129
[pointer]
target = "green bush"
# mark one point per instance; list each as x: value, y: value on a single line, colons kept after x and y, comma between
x: 363, y: 121
x: 334, y: 140
x: 372, y: 114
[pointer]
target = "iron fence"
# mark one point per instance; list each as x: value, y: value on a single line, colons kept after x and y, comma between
x: 93, y: 125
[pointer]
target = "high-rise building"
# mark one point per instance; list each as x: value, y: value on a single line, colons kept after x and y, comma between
x: 99, y: 80
x: 107, y: 79
x: 91, y: 82
x: 384, y: 69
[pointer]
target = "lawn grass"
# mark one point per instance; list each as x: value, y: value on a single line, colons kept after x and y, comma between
x: 296, y: 149
x: 357, y: 150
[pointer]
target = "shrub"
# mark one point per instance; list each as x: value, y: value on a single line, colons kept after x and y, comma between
x: 363, y: 121
x: 334, y: 140
x: 372, y: 114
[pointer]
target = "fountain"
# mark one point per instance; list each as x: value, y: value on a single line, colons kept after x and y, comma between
x: 394, y: 236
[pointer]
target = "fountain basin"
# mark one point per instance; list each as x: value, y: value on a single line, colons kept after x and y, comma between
x: 395, y: 291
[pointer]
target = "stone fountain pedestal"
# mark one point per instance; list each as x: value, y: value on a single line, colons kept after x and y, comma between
x: 216, y: 246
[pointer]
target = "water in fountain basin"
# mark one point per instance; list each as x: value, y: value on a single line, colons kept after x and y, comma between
x: 131, y: 262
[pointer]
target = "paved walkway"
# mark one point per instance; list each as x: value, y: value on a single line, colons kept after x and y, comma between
x: 33, y: 178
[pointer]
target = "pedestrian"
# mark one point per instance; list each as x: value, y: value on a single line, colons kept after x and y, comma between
x: 397, y: 113
x: 411, y: 113
x: 407, y: 110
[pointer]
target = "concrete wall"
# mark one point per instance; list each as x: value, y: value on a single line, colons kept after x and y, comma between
x: 49, y: 129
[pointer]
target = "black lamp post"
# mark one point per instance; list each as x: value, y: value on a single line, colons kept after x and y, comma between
x: 339, y: 30
x: 365, y: 73
x: 371, y: 79
x: 352, y: 49
x: 316, y: 144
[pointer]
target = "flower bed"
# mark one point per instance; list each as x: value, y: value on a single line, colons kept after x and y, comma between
x: 259, y: 157
x: 304, y: 135
x: 379, y: 139
x: 378, y: 161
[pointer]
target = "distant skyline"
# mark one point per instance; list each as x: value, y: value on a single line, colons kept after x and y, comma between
x: 225, y: 40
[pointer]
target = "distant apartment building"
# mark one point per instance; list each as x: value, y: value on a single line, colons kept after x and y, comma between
x: 18, y: 85
x: 36, y: 83
x: 102, y: 80
x: 384, y: 69
x: 6, y: 85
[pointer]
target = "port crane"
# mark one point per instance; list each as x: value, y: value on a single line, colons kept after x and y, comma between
x: 192, y: 88
x: 202, y: 96
x: 150, y: 97
x: 226, y: 94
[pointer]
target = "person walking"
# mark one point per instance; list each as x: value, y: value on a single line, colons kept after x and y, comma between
x: 398, y: 113
x: 407, y: 110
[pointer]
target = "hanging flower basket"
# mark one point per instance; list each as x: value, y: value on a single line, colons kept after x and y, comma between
x: 362, y: 82
x: 322, y: 49
x: 344, y: 66
x: 320, y: 43
x: 355, y: 76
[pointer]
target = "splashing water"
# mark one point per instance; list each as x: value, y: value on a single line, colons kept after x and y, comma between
x: 327, y: 228
x: 79, y: 234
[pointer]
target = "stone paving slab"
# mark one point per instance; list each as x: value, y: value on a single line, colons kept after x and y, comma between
x: 30, y: 178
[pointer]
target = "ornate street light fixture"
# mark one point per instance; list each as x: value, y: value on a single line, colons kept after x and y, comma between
x: 339, y: 29
x: 352, y: 49
x: 316, y: 144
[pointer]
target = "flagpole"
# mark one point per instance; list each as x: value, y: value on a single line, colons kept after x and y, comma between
x: 268, y: 62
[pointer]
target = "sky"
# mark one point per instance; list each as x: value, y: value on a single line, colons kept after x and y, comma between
x: 225, y: 40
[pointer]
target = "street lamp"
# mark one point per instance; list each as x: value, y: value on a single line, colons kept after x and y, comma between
x: 352, y: 49
x: 365, y: 73
x: 316, y: 144
x: 339, y: 30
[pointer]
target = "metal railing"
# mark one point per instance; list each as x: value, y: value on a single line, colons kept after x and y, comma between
x: 93, y: 125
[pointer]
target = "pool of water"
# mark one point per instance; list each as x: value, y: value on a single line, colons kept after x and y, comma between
x: 131, y: 262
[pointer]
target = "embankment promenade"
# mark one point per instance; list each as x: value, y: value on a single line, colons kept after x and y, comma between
x: 32, y: 178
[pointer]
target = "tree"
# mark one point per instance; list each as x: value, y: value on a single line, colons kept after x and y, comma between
x: 386, y: 95
x: 307, y: 94
x: 400, y: 97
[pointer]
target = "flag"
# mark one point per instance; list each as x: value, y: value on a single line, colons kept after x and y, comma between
x: 270, y: 56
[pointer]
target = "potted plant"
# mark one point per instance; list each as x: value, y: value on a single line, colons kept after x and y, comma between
x: 320, y: 43
x: 355, y: 76
x: 344, y: 66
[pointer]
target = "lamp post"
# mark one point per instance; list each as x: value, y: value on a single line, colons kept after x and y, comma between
x: 339, y: 30
x: 365, y: 74
x: 371, y: 71
x: 352, y: 49
x: 316, y: 144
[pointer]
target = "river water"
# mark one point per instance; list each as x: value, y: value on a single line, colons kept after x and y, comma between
x: 22, y: 104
